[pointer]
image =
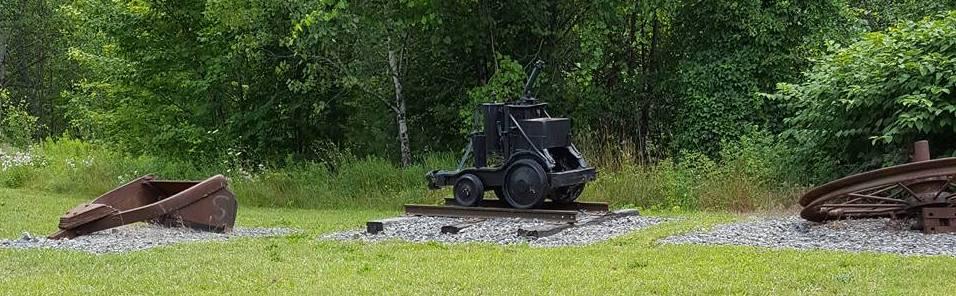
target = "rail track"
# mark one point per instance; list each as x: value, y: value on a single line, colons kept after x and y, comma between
x: 555, y: 217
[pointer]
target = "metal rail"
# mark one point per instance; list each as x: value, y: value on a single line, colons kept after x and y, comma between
x: 552, y: 229
x: 571, y: 206
x: 491, y: 212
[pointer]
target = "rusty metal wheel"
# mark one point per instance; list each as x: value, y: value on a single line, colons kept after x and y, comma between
x: 896, y: 191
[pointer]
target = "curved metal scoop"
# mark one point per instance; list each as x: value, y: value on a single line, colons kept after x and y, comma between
x: 206, y: 205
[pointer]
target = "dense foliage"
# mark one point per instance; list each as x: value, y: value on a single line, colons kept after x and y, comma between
x: 872, y: 98
x: 276, y: 82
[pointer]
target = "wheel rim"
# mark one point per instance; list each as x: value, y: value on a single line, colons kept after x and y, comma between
x: 890, y: 192
x: 468, y: 190
x: 526, y: 184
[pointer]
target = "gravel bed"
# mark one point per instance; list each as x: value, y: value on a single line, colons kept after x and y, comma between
x: 134, y: 237
x: 498, y: 231
x: 863, y: 235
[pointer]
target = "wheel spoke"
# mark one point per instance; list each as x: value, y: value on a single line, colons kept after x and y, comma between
x: 910, y: 191
x: 877, y: 198
x: 870, y: 211
x: 878, y: 189
x: 943, y: 187
x: 861, y: 206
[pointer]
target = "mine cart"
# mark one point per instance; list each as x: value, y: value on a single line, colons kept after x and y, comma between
x: 521, y: 153
x: 206, y: 205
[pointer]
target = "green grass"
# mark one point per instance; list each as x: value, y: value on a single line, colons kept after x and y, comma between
x: 300, y: 265
x: 77, y: 167
x: 695, y: 182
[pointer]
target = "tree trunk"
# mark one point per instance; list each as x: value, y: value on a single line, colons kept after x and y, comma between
x: 650, y: 71
x: 399, y: 109
x: 3, y: 55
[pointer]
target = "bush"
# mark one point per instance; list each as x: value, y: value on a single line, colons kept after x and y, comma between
x: 861, y: 106
x: 17, y: 126
x: 753, y: 173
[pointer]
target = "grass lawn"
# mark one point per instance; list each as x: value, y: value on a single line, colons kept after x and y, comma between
x: 633, y: 264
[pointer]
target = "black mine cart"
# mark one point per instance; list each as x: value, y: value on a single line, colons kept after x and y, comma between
x: 521, y: 153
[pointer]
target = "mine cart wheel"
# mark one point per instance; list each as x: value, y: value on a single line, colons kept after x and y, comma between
x: 889, y: 192
x: 468, y: 190
x: 526, y: 184
x: 567, y: 194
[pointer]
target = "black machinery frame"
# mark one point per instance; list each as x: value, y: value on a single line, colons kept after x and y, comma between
x: 539, y: 160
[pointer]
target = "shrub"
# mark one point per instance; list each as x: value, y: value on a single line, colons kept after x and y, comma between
x: 17, y: 126
x: 753, y: 173
x: 862, y: 105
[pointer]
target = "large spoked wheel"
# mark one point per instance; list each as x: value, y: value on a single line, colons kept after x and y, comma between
x: 895, y: 191
x: 468, y: 190
x: 526, y: 184
x: 567, y: 194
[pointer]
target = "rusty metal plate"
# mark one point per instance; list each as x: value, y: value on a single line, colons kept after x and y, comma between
x: 938, y: 220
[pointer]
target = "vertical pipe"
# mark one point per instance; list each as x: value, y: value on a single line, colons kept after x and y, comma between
x: 921, y: 151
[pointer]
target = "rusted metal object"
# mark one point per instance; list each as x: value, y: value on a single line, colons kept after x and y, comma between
x: 377, y: 226
x: 483, y: 212
x: 458, y: 227
x: 206, y: 205
x: 938, y: 220
x: 897, y: 192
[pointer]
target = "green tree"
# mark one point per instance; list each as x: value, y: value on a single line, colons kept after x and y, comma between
x: 727, y: 52
x: 864, y: 103
x: 34, y: 67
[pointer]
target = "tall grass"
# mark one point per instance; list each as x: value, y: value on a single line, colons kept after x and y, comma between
x: 747, y: 177
x: 367, y: 182
x: 753, y: 173
x: 77, y: 167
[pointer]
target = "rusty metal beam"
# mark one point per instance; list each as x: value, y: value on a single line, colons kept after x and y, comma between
x: 549, y: 205
x: 486, y: 212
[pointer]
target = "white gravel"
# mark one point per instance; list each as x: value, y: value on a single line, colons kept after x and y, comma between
x: 134, y: 237
x: 498, y: 231
x: 864, y: 235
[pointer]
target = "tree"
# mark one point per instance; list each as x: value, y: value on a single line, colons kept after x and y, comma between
x: 33, y: 64
x: 358, y: 42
